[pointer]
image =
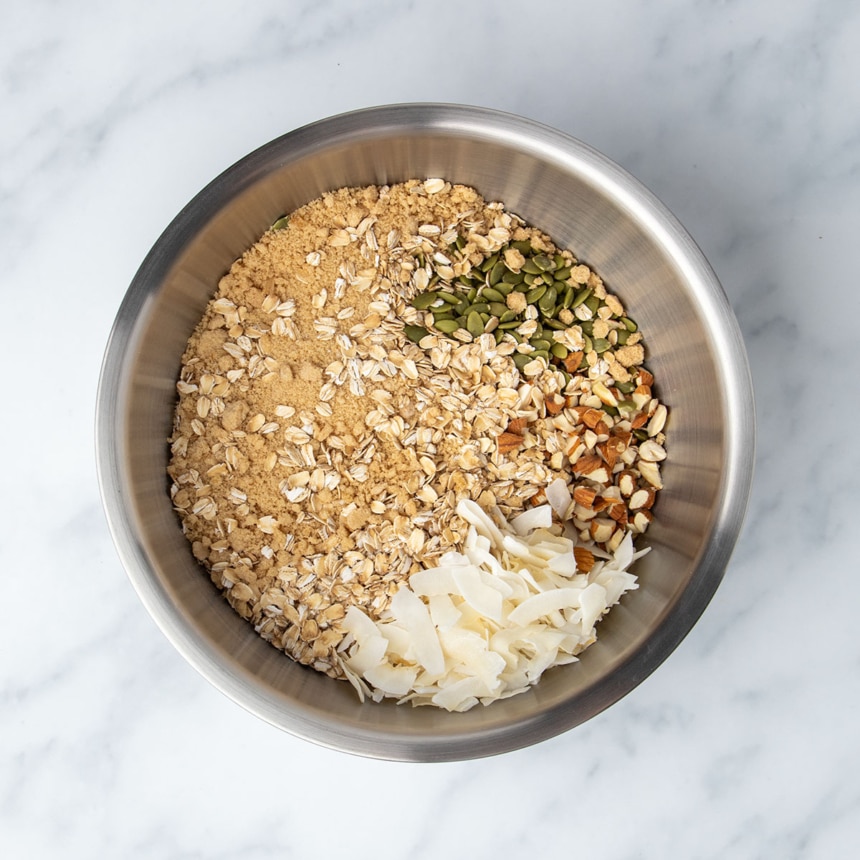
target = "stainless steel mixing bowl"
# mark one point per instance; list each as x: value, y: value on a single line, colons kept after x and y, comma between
x: 587, y: 203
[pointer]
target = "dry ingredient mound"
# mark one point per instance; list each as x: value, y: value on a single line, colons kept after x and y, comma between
x: 319, y: 453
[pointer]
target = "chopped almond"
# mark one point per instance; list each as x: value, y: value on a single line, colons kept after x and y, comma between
x: 509, y: 442
x: 584, y: 559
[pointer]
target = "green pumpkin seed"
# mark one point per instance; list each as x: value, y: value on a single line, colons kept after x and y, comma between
x: 568, y: 297
x: 556, y: 325
x: 543, y: 262
x: 580, y: 297
x: 521, y: 359
x: 540, y: 343
x: 592, y: 303
x: 496, y: 273
x: 442, y: 314
x: 530, y: 267
x: 474, y: 324
x: 559, y: 260
x: 625, y: 387
x: 282, y: 223
x: 415, y: 333
x: 588, y: 346
x: 601, y: 344
x: 622, y: 336
x: 460, y: 307
x: 488, y: 294
x: 541, y: 353
x: 562, y: 273
x: 448, y: 326
x: 629, y: 324
x: 547, y: 301
x: 559, y: 350
x: 464, y: 280
x: 640, y: 434
x: 489, y: 263
x: 423, y: 300
x: 472, y: 294
x: 508, y: 325
x: 450, y: 298
x: 498, y: 308
x: 503, y: 288
x: 460, y: 242
x: 508, y: 315
x: 479, y: 307
x: 587, y: 326
x: 513, y: 277
x: 529, y: 279
x: 534, y: 295
x: 523, y: 246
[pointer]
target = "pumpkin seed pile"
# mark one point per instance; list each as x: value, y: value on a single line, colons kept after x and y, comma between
x: 527, y: 295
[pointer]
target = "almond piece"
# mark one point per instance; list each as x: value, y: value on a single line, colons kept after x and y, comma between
x: 609, y: 453
x: 650, y: 450
x: 572, y: 362
x: 626, y: 482
x: 601, y: 530
x: 651, y: 473
x: 642, y: 498
x: 623, y: 437
x: 618, y: 512
x: 509, y: 442
x: 601, y: 503
x: 642, y: 520
x: 658, y: 420
x: 605, y: 395
x: 517, y: 425
x: 592, y: 417
x: 538, y: 498
x: 587, y: 464
x: 584, y: 559
x: 584, y: 496
x: 554, y: 404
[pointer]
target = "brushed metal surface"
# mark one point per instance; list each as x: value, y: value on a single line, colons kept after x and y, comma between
x: 585, y: 202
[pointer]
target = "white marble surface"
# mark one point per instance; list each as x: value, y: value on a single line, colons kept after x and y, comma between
x: 744, y: 117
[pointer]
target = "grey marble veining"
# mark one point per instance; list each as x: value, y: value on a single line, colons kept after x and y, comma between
x: 744, y: 117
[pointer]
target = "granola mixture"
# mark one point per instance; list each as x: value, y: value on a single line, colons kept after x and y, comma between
x: 330, y: 419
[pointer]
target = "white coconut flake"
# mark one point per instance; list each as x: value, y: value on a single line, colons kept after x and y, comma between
x: 558, y: 496
x: 413, y: 615
x: 487, y: 622
x: 533, y: 518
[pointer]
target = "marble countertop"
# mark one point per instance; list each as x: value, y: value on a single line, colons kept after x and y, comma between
x: 743, y: 117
